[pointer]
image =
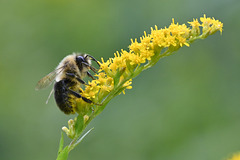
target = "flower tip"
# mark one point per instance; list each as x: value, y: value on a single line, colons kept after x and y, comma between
x: 86, y: 118
x: 70, y: 122
x: 129, y: 87
x: 102, y: 60
x: 187, y: 44
x: 145, y: 33
x: 65, y: 129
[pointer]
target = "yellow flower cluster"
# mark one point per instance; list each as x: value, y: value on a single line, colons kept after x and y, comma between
x: 209, y: 26
x: 115, y: 74
x: 70, y: 131
x: 176, y: 35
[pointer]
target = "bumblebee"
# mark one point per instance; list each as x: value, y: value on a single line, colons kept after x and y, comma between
x: 68, y: 76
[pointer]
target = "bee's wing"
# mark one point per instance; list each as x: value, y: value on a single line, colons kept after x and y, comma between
x: 48, y: 79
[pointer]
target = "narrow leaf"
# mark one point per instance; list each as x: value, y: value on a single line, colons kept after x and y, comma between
x: 119, y: 91
x: 63, y: 155
x: 116, y: 78
x: 79, y: 125
x: 61, y: 143
x: 80, y: 139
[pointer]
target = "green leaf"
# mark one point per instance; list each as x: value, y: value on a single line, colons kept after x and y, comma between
x: 130, y: 67
x: 79, y: 125
x: 116, y: 78
x: 118, y: 75
x: 119, y: 91
x: 63, y: 155
x: 61, y: 143
x: 137, y: 71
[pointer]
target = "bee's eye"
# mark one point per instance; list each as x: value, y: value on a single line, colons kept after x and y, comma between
x: 80, y: 59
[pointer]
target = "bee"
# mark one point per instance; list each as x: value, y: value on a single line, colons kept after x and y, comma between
x: 67, y: 77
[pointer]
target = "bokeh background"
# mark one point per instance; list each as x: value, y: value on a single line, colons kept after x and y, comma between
x: 186, y: 107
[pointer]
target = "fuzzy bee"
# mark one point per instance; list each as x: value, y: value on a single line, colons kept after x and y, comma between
x: 68, y: 76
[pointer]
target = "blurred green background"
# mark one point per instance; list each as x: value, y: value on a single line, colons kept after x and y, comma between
x: 186, y: 107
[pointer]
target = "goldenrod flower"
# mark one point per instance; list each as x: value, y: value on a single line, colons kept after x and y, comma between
x: 210, y: 25
x: 115, y: 74
x: 70, y: 131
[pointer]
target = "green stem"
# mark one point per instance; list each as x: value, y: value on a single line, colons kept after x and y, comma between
x: 63, y: 153
x: 156, y: 59
x: 192, y: 39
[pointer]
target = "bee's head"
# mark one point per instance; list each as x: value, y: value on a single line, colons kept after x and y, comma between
x: 80, y: 59
x: 83, y: 62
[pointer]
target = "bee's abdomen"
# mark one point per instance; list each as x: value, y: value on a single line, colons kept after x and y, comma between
x: 61, y: 95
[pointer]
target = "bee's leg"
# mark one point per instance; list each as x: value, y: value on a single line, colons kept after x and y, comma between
x: 93, y: 59
x: 79, y: 96
x: 75, y: 76
x: 89, y: 75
